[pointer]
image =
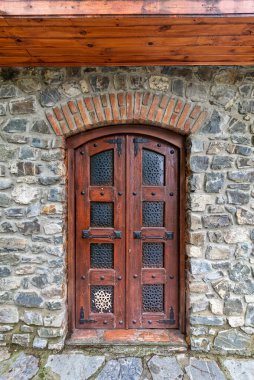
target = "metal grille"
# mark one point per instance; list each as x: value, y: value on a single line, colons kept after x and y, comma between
x: 153, y: 298
x: 102, y: 169
x: 102, y: 214
x: 153, y: 255
x: 102, y: 255
x: 152, y: 168
x: 102, y: 299
x: 153, y: 214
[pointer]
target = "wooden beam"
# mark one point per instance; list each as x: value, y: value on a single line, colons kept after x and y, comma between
x: 125, y: 7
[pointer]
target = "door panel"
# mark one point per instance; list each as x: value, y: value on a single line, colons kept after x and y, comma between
x: 126, y: 233
x: 100, y: 220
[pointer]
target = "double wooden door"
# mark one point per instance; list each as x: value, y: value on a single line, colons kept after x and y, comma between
x: 126, y: 233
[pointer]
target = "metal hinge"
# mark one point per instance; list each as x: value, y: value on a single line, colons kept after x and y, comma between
x: 136, y: 141
x: 118, y: 143
x: 82, y: 319
x: 171, y: 319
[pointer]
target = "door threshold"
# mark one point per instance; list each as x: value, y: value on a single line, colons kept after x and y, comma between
x: 136, y: 337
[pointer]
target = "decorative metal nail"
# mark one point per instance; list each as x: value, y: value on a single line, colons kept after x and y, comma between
x: 95, y: 145
x: 120, y: 193
x: 83, y: 277
x: 135, y: 276
x: 83, y: 192
x: 102, y: 277
x: 153, y: 193
x: 102, y: 193
x: 172, y: 151
x: 171, y: 194
x: 134, y: 193
x: 82, y: 153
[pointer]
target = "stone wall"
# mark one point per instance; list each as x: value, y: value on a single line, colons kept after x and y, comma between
x: 220, y: 203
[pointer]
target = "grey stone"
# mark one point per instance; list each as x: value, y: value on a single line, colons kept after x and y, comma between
x: 199, y: 164
x: 197, y: 92
x: 162, y: 368
x: 49, y: 97
x: 239, y: 149
x: 214, y: 124
x: 28, y: 227
x: 40, y: 281
x: 245, y: 90
x: 217, y: 221
x: 244, y: 216
x: 8, y: 314
x: 9, y: 258
x: 13, y: 244
x: 32, y: 318
x: 5, y: 200
x: 71, y: 89
x: 246, y: 106
x: 15, y: 125
x: 214, y: 182
x: 56, y: 195
x: 54, y: 155
x: 204, y: 369
x: 6, y: 153
x: 123, y: 369
x: 237, y: 197
x: 249, y: 319
x: 239, y: 272
x: 28, y: 299
x: 5, y: 272
x: 54, y: 305
x: 48, y: 332
x: 19, y: 367
x: 232, y: 341
x: 25, y: 194
x: 2, y: 109
x: 49, y: 180
x: 222, y: 95
x: 29, y: 85
x: 240, y: 369
x: 21, y: 339
x: 75, y: 365
x: 7, y: 91
x: 241, y: 139
x: 120, y: 82
x: 53, y: 76
x: 5, y: 183
x: 199, y: 266
x: 40, y: 343
x: 22, y: 106
x: 245, y: 162
x: 15, y: 212
x: 40, y: 126
x: 26, y: 152
x: 207, y: 320
x: 99, y: 82
x: 178, y: 87
x: 241, y: 176
x: 233, y: 307
x: 237, y: 126
x: 217, y: 252
x: 221, y: 162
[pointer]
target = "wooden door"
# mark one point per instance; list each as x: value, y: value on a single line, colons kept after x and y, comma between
x: 127, y: 233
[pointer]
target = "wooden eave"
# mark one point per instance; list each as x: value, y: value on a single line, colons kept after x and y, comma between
x: 126, y: 32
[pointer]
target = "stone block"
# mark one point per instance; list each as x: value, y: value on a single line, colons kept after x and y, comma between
x: 29, y: 299
x: 236, y: 321
x: 214, y: 182
x: 217, y: 252
x: 232, y: 341
x: 24, y: 194
x: 160, y: 83
x: 197, y: 92
x: 207, y: 320
x: 239, y: 369
x: 201, y: 369
x: 8, y: 314
x: 20, y: 366
x: 217, y: 221
x: 244, y: 216
x: 249, y: 319
x: 199, y: 164
x: 21, y: 339
x: 32, y: 318
x: 40, y: 126
x: 239, y: 272
x: 22, y: 106
x: 40, y: 343
x: 221, y: 162
x: 216, y: 306
x: 233, y: 307
x: 29, y: 85
x: 162, y: 367
x: 7, y: 91
x: 72, y: 365
x: 49, y: 97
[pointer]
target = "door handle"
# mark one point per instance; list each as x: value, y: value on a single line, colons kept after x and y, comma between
x: 86, y: 234
x: 169, y: 235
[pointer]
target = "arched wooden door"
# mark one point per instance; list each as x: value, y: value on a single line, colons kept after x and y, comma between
x: 127, y: 232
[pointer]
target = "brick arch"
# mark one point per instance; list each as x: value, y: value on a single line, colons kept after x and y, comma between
x: 143, y: 107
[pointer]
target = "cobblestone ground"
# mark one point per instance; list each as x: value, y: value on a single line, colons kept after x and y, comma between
x: 77, y: 365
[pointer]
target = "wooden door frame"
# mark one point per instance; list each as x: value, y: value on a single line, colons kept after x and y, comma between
x: 72, y: 143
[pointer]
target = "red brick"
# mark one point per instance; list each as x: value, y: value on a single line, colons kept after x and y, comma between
x: 64, y: 126
x: 168, y: 112
x: 187, y: 125
x: 78, y: 121
x: 137, y: 105
x: 68, y: 117
x: 179, y: 106
x: 183, y: 116
x: 98, y: 109
x: 89, y: 104
x: 83, y: 112
x: 195, y: 112
x: 121, y: 99
x: 58, y: 113
x: 173, y: 120
x: 104, y: 100
x: 164, y: 101
x: 199, y: 122
x: 54, y: 124
x: 114, y: 107
x: 73, y: 107
x: 146, y: 98
x: 153, y: 107
x: 129, y: 104
x: 159, y: 115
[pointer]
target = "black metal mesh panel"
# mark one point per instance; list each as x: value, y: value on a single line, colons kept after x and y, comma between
x: 152, y: 168
x: 102, y: 299
x: 102, y: 255
x: 102, y: 214
x: 153, y: 214
x: 153, y: 298
x: 153, y: 255
x: 102, y: 169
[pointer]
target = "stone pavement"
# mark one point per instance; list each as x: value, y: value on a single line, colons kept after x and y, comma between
x: 76, y: 365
